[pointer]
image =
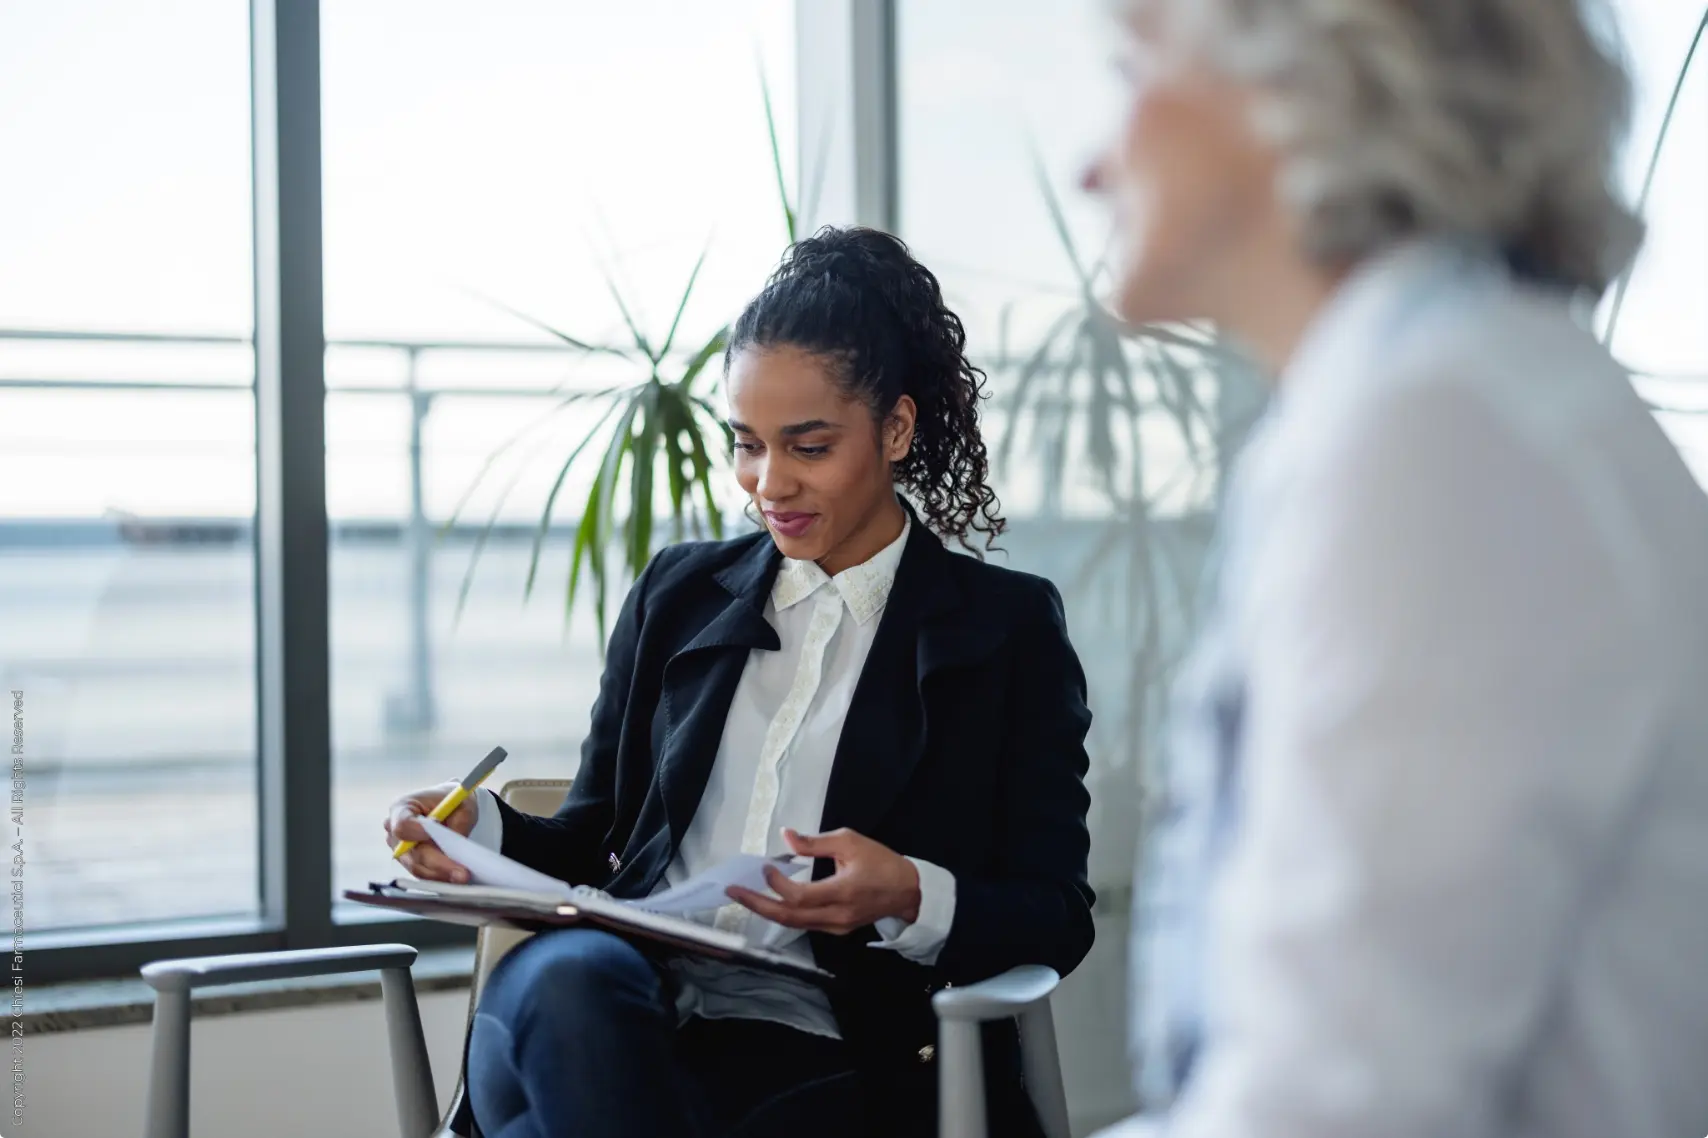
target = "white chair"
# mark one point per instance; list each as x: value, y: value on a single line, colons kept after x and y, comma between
x: 1023, y: 994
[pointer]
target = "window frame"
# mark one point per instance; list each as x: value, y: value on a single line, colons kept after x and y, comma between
x: 294, y: 745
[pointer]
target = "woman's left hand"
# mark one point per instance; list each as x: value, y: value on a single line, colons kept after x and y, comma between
x: 871, y: 882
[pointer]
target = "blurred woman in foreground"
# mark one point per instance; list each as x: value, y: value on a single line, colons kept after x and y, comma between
x: 1435, y: 860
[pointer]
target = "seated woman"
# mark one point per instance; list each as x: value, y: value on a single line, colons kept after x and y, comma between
x: 1434, y: 832
x: 841, y: 686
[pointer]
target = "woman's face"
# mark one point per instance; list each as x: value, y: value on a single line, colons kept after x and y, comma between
x: 1189, y: 185
x: 810, y: 458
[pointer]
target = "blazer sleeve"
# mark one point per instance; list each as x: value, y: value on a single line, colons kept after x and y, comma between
x: 1034, y: 906
x: 568, y: 844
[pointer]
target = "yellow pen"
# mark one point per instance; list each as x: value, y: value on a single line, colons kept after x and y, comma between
x: 457, y: 797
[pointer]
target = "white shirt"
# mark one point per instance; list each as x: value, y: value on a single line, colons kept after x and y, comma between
x: 772, y: 771
x: 1437, y: 856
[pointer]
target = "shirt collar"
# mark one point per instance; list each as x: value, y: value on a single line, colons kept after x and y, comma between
x: 865, y: 587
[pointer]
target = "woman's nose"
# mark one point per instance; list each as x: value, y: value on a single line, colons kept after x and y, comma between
x: 775, y: 483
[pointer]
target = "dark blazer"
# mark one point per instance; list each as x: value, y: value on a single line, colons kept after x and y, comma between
x: 964, y: 745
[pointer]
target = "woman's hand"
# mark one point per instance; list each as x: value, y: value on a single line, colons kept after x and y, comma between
x: 427, y: 861
x: 871, y: 882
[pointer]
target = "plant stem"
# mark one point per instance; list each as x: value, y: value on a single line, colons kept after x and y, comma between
x: 1624, y: 281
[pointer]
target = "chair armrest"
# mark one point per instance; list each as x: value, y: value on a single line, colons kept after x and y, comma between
x: 168, y: 1111
x: 206, y: 971
x: 1021, y: 993
x: 1001, y: 997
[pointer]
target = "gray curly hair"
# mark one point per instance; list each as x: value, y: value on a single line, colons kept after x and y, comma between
x: 1497, y: 119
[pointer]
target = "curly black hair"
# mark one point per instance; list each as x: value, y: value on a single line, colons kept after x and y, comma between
x: 857, y: 297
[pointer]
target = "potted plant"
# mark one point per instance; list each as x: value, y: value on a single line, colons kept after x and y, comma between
x: 658, y: 431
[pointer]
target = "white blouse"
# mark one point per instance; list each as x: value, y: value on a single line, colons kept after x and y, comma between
x: 772, y: 771
x: 1437, y: 860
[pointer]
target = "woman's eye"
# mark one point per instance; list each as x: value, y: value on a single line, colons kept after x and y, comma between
x: 813, y: 452
x: 748, y: 448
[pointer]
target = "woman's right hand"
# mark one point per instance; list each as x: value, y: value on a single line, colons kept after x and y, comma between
x: 426, y: 860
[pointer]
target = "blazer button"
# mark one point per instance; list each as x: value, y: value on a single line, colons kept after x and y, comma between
x: 927, y: 1053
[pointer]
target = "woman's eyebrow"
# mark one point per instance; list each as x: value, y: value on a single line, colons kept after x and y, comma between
x: 810, y: 426
x: 792, y: 430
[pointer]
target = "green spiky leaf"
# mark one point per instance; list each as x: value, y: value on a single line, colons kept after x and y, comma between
x: 777, y: 158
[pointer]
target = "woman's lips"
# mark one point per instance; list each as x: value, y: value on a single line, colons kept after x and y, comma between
x: 788, y: 523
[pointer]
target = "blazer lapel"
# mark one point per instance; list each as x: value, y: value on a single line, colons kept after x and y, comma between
x: 700, y: 681
x: 926, y: 628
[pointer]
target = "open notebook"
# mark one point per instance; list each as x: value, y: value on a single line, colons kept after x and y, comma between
x: 505, y: 892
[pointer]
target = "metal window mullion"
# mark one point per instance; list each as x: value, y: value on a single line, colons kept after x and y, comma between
x: 877, y: 195
x: 845, y: 90
x: 295, y: 745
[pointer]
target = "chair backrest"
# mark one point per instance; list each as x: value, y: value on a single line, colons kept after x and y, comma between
x: 530, y: 796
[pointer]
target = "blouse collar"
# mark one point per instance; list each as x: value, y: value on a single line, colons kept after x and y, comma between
x: 865, y: 587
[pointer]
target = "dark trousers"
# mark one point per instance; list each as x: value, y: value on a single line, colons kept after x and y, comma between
x: 575, y: 1035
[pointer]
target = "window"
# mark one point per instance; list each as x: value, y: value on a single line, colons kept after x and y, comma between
x: 481, y: 174
x: 1660, y: 333
x: 1000, y: 104
x: 478, y: 175
x: 127, y: 453
x: 1109, y: 491
x: 998, y: 100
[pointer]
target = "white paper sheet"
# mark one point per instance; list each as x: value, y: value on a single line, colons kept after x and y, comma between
x: 698, y: 894
x: 707, y: 890
x: 489, y: 867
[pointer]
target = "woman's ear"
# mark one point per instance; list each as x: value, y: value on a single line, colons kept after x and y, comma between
x: 898, y: 428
